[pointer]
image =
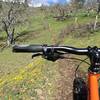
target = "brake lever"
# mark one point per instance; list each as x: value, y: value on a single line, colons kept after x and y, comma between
x: 37, y: 54
x: 50, y: 56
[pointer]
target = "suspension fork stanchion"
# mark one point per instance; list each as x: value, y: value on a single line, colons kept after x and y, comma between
x: 93, y: 86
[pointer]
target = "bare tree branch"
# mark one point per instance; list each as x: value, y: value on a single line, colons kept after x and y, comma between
x: 11, y: 15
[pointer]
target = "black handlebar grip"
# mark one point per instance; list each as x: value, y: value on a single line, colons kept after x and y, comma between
x: 27, y: 48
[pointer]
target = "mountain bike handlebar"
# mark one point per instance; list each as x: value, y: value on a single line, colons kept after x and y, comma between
x: 54, y: 53
x: 43, y: 48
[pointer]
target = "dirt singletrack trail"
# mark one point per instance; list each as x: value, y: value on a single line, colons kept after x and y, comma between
x: 65, y: 82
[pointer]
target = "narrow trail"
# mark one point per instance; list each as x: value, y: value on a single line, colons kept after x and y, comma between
x: 65, y: 81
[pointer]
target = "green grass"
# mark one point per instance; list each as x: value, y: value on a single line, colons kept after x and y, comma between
x: 20, y: 82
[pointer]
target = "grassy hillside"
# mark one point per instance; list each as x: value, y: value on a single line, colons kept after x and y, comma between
x: 23, y: 78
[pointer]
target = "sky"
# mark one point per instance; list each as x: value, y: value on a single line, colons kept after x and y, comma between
x: 37, y: 3
x: 57, y: 1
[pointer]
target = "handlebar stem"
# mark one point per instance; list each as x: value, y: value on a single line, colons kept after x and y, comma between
x: 94, y: 56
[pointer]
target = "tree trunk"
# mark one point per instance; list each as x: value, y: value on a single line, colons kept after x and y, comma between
x: 95, y: 23
x: 10, y: 39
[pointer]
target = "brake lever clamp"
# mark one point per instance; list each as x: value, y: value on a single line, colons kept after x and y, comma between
x: 51, y: 54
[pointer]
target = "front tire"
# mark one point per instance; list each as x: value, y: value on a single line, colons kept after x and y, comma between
x: 80, y: 91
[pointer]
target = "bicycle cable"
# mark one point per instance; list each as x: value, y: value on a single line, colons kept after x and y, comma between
x: 84, y: 60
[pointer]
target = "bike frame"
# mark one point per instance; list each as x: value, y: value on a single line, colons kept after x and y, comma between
x: 93, y: 86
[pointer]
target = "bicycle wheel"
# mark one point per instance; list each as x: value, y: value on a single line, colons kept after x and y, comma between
x: 80, y: 91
